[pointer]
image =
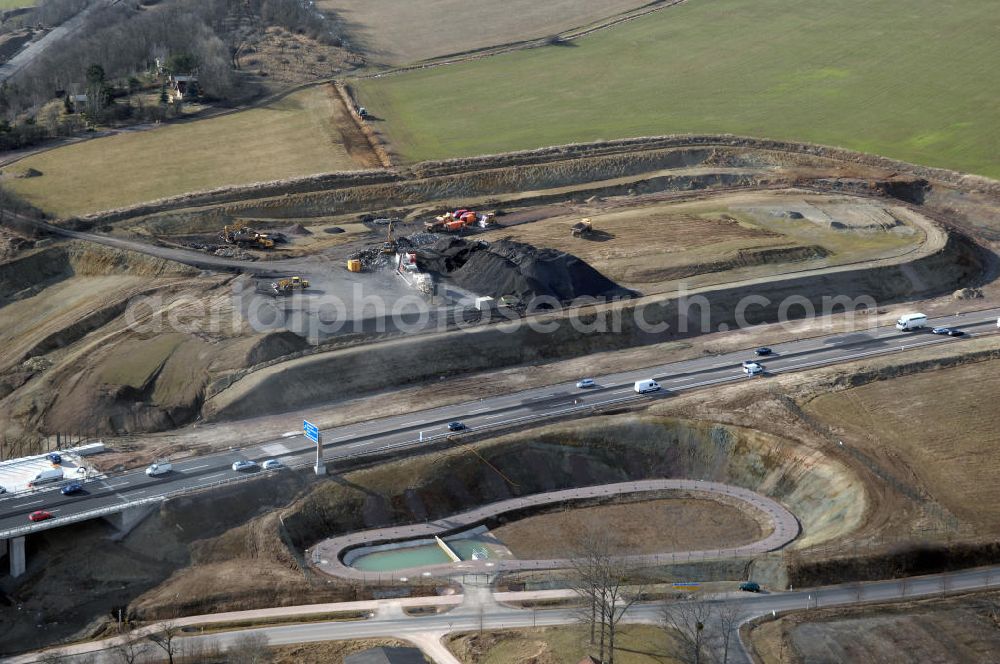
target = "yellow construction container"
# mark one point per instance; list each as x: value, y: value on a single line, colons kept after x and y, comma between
x: 354, y: 265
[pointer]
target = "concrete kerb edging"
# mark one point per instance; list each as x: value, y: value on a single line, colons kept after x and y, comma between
x: 327, y: 556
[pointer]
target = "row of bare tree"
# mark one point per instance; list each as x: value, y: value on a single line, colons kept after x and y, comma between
x: 696, y: 631
x: 125, y: 39
x: 166, y: 644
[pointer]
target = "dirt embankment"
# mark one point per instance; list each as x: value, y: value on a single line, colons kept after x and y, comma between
x: 107, y: 575
x: 782, y: 153
x: 825, y: 496
x: 101, y: 340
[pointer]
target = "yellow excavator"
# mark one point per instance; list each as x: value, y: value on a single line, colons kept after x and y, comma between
x: 390, y: 245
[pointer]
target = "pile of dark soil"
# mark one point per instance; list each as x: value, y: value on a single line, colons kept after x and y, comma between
x: 294, y: 229
x: 513, y: 268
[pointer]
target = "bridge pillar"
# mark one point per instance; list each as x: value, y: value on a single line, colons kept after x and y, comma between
x: 16, y: 552
x: 128, y: 519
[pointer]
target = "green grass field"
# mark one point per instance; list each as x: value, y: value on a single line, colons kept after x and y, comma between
x: 291, y: 137
x: 918, y: 81
x: 14, y: 4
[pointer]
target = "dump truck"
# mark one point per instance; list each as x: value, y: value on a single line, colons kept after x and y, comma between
x: 581, y: 228
x: 287, y: 285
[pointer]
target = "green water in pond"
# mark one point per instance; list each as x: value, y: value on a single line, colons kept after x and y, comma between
x: 414, y: 556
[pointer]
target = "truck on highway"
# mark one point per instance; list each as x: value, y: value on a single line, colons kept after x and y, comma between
x: 909, y: 322
x: 159, y: 468
x: 47, y: 476
x: 643, y: 386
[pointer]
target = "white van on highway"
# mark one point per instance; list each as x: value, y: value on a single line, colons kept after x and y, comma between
x: 159, y: 468
x: 46, y: 477
x: 643, y: 386
x: 909, y: 322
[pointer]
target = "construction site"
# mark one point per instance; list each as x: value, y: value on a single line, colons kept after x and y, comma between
x: 172, y: 329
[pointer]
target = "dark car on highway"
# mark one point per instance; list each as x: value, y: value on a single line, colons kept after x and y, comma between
x: 39, y: 515
x: 54, y: 458
x: 750, y: 587
x: 950, y: 331
x: 72, y: 488
x: 456, y: 426
x: 763, y: 351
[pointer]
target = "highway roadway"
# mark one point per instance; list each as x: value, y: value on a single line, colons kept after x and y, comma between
x: 403, y: 433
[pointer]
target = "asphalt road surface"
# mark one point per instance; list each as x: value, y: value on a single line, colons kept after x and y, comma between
x: 400, y: 433
x: 472, y: 615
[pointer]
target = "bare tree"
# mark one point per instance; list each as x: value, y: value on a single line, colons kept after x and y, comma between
x: 129, y: 648
x: 201, y: 650
x: 728, y: 615
x: 586, y: 580
x: 249, y: 648
x: 165, y: 638
x: 605, y: 580
x: 618, y: 598
x: 687, y: 622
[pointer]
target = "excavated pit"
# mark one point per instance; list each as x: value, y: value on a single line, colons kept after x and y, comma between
x: 827, y: 498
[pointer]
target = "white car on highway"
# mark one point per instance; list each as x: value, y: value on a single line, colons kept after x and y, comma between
x: 244, y: 464
x: 159, y: 468
x: 752, y: 369
x: 271, y: 464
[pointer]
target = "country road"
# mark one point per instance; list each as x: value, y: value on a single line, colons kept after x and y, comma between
x: 29, y: 54
x: 475, y: 611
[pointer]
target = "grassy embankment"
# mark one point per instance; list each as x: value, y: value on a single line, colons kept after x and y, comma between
x: 294, y: 136
x: 635, y: 644
x: 913, y: 84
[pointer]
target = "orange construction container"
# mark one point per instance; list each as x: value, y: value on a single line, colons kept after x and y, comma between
x: 354, y: 265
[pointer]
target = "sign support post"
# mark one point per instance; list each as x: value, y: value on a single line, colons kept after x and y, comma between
x: 312, y: 432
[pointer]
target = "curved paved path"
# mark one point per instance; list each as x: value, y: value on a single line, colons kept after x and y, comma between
x: 326, y: 556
